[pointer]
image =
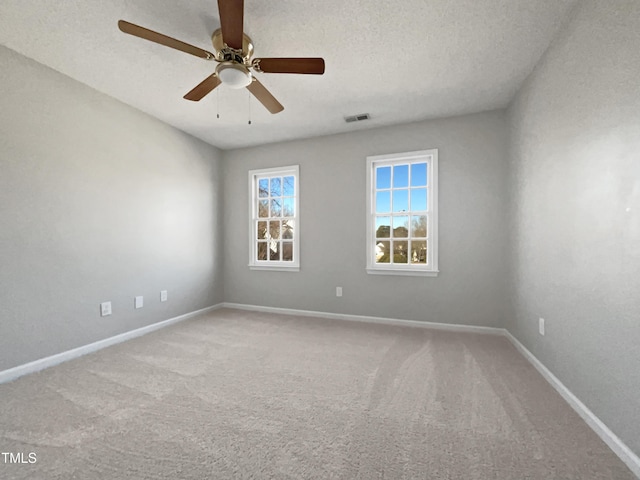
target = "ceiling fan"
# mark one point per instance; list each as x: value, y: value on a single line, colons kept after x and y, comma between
x: 233, y: 52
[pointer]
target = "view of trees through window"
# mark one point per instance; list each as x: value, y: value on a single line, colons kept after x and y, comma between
x: 276, y: 218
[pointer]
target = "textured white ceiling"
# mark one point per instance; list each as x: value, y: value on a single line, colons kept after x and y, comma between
x: 399, y: 60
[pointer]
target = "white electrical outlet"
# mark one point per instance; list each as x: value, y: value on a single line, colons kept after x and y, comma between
x: 541, y: 325
x: 105, y: 309
x: 338, y: 291
x: 139, y: 303
x: 163, y: 295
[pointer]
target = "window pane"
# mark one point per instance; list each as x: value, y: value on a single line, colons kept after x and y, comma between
x: 262, y: 250
x: 288, y: 186
x: 263, y: 187
x: 274, y: 251
x: 276, y: 189
x: 419, y: 175
x: 383, y: 177
x: 287, y: 251
x: 400, y: 251
x: 403, y: 193
x: 273, y: 234
x: 262, y: 230
x: 274, y: 229
x: 400, y: 176
x: 419, y: 251
x: 400, y: 200
x: 289, y: 207
x: 382, y: 252
x: 419, y: 226
x: 383, y: 227
x: 401, y: 226
x: 276, y: 207
x: 287, y: 229
x: 383, y: 202
x: 263, y: 208
x: 418, y: 199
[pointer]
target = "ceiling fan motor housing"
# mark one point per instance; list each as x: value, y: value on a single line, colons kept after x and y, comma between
x: 223, y: 52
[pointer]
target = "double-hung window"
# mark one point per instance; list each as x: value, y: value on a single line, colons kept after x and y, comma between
x: 274, y: 227
x: 402, y: 209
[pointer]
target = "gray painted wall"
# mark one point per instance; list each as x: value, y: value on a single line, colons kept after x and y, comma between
x: 575, y: 176
x: 472, y: 191
x: 98, y: 202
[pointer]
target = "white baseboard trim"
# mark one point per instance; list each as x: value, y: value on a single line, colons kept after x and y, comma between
x: 42, y: 363
x: 630, y: 459
x: 611, y: 439
x: 368, y: 319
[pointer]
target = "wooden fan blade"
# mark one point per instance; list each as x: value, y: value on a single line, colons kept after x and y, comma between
x: 231, y: 22
x: 203, y: 88
x: 262, y: 94
x: 138, y: 31
x: 314, y: 66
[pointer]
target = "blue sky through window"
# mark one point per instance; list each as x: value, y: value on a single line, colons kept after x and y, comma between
x: 407, y: 184
x: 383, y: 177
x: 383, y: 202
x: 400, y: 176
x: 288, y: 187
x: 418, y: 199
x: 401, y: 200
x: 419, y: 175
x: 275, y: 187
x: 263, y: 187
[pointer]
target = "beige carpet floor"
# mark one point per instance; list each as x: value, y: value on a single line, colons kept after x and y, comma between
x: 245, y: 395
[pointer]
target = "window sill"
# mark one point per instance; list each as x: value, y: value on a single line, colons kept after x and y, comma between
x: 403, y: 272
x: 276, y: 268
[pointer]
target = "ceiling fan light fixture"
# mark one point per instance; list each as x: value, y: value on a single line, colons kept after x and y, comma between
x: 234, y: 54
x: 234, y: 75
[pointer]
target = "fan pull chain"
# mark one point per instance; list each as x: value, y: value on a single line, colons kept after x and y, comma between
x: 218, y: 103
x: 249, y: 98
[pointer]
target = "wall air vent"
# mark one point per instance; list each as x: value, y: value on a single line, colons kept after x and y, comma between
x: 357, y: 118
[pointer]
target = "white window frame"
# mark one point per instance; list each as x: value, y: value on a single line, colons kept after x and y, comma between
x: 431, y: 268
x: 254, y: 263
